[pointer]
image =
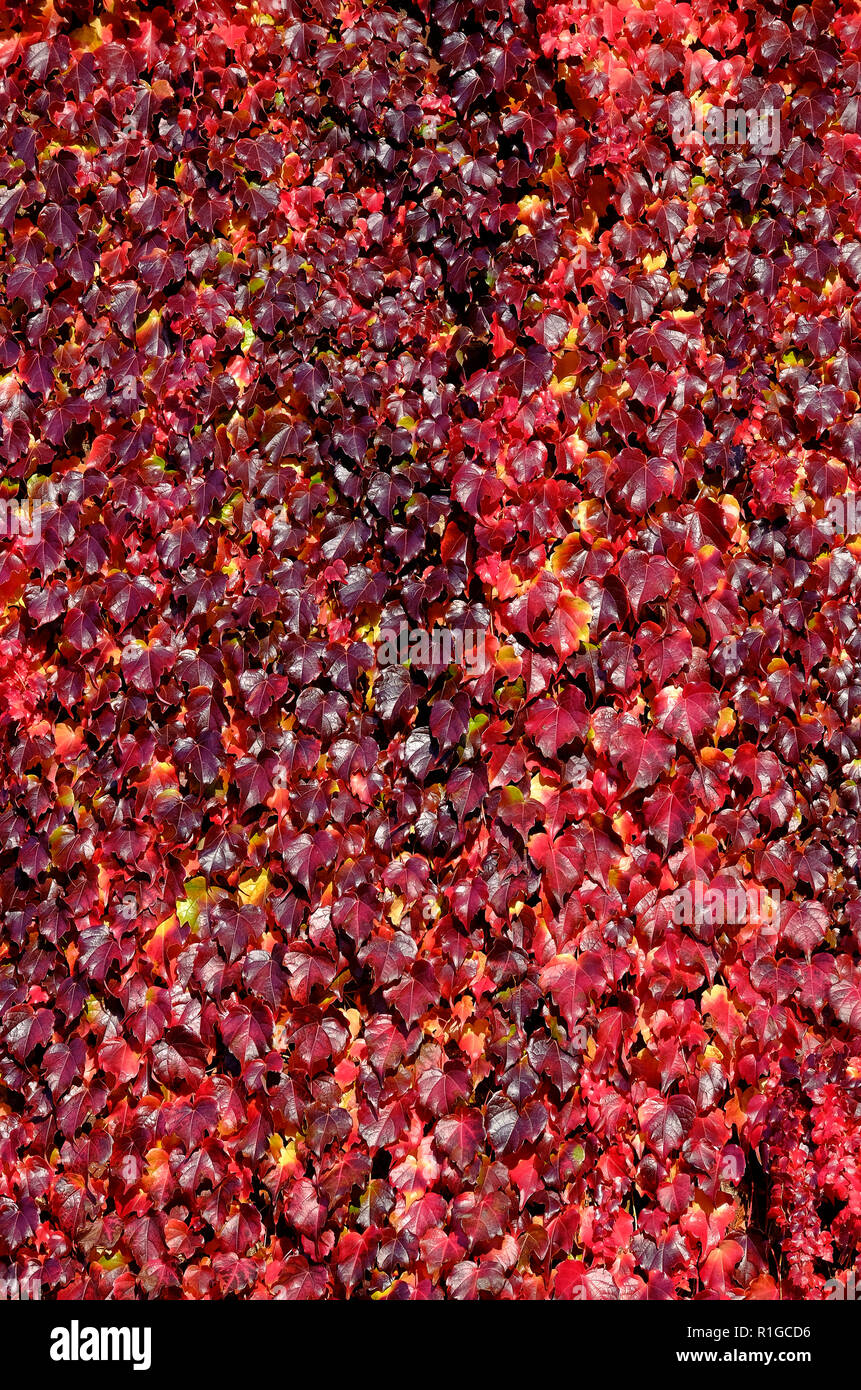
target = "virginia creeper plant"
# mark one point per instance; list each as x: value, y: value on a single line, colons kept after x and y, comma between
x: 328, y: 977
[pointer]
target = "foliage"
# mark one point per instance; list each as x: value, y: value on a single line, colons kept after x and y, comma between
x: 320, y: 979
